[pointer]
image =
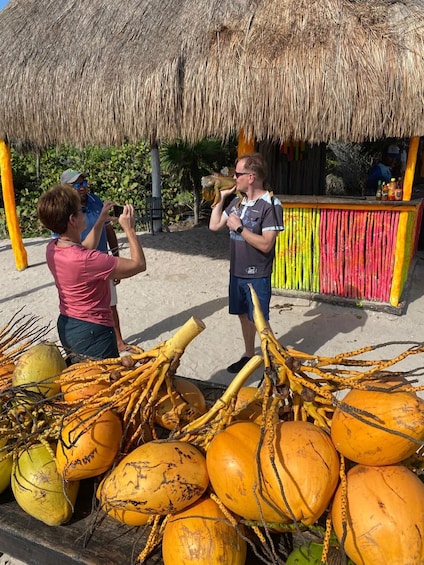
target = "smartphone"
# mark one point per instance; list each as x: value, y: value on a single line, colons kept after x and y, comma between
x: 117, y: 210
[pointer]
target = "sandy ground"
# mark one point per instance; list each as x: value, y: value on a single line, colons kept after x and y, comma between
x: 187, y: 275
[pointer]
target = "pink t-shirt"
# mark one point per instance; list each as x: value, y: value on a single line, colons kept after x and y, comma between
x: 81, y: 277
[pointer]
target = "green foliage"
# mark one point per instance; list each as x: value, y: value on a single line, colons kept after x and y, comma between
x: 190, y: 161
x: 350, y: 162
x: 121, y: 174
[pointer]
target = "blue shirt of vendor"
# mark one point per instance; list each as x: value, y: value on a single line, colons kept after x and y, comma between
x: 94, y: 206
x: 383, y: 171
x: 379, y: 171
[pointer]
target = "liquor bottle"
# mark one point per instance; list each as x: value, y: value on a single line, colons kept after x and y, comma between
x: 399, y: 190
x: 378, y: 193
x: 391, y: 189
x: 384, y: 191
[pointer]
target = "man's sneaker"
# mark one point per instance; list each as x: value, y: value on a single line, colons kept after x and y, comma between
x: 238, y: 365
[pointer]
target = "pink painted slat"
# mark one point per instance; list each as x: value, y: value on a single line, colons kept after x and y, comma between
x: 370, y: 258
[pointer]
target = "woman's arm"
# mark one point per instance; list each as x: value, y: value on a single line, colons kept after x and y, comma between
x: 126, y: 268
x: 93, y: 237
x: 112, y: 240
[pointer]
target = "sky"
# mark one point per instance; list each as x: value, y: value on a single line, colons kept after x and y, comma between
x: 3, y: 3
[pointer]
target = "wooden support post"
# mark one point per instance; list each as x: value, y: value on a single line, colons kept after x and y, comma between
x: 12, y: 221
x: 408, y: 180
x: 411, y: 162
x: 245, y: 144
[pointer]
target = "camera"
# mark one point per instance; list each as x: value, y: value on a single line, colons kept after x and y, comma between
x: 117, y: 210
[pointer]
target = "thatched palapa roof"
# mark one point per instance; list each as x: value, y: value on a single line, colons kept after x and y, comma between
x: 101, y: 71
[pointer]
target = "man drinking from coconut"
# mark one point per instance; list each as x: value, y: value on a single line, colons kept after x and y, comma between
x: 254, y: 224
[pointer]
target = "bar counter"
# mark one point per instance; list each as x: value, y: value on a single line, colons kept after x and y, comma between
x: 352, y: 250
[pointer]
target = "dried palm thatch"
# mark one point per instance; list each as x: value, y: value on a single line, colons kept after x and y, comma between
x: 104, y: 71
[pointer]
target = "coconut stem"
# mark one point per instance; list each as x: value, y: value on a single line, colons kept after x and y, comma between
x: 228, y: 394
x: 179, y: 341
x: 258, y: 317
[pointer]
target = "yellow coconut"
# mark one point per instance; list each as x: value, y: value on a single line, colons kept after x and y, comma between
x: 80, y: 389
x: 39, y: 489
x: 129, y: 517
x: 300, y: 468
x: 202, y: 535
x: 5, y: 466
x: 159, y: 477
x: 37, y: 368
x: 381, y: 427
x: 83, y: 452
x: 183, y: 405
x: 232, y: 465
x: 249, y: 405
x: 380, y: 517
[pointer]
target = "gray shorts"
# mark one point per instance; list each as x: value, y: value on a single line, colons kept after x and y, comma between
x: 87, y: 339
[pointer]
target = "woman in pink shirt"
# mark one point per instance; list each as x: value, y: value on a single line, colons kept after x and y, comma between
x: 82, y: 273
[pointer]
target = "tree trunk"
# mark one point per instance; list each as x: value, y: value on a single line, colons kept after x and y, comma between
x: 196, y: 209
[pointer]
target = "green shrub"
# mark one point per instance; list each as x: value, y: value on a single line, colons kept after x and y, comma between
x: 121, y: 174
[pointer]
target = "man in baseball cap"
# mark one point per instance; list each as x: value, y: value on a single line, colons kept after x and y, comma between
x: 70, y: 176
x: 393, y: 151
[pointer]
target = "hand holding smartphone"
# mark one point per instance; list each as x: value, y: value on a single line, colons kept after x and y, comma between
x: 117, y: 210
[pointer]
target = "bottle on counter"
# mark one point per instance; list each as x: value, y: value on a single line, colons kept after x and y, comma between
x: 384, y: 191
x: 391, y: 189
x: 399, y: 190
x: 379, y: 191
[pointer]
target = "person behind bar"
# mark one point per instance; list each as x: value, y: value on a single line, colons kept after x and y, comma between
x: 384, y: 170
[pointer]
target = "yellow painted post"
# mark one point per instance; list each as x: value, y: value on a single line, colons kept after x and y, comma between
x: 411, y: 163
x: 12, y: 221
x: 245, y: 144
x: 408, y: 180
x: 396, y: 289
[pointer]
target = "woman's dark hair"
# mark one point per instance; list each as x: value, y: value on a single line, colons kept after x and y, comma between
x: 55, y: 207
